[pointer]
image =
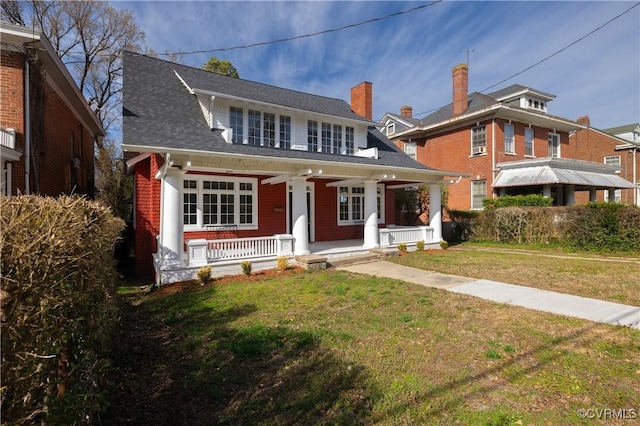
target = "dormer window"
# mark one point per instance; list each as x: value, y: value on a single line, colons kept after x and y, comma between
x: 535, y: 104
x: 391, y: 128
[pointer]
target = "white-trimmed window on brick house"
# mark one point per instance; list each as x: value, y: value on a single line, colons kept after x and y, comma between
x: 410, y: 149
x: 220, y: 201
x: 528, y: 142
x: 479, y: 140
x: 478, y: 193
x: 351, y: 205
x: 509, y: 139
x: 554, y: 145
x: 612, y: 160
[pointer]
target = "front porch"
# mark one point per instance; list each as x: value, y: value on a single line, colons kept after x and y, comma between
x: 224, y: 256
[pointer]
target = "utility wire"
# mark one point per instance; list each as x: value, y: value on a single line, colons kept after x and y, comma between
x: 550, y: 56
x: 298, y: 37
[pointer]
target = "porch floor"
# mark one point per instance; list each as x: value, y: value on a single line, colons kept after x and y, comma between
x: 339, y: 248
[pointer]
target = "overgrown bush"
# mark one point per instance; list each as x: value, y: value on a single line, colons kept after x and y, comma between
x: 282, y: 263
x: 603, y: 226
x: 57, y: 308
x: 463, y: 223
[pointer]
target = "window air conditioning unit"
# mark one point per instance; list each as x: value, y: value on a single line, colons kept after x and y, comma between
x: 479, y: 150
x: 75, y: 163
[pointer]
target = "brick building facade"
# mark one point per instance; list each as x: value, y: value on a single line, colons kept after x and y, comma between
x: 48, y: 130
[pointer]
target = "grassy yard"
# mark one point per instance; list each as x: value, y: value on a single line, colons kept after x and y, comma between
x: 332, y: 347
x: 616, y: 279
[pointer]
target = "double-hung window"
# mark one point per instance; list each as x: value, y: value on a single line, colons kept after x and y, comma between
x: 478, y: 193
x: 254, y: 122
x: 410, y: 149
x: 337, y: 139
x: 236, y: 123
x: 312, y: 135
x: 351, y: 204
x: 349, y: 138
x: 190, y: 202
x: 554, y: 145
x: 326, y: 137
x: 269, y: 129
x: 528, y: 142
x: 285, y: 132
x: 613, y: 160
x: 509, y: 139
x: 479, y: 140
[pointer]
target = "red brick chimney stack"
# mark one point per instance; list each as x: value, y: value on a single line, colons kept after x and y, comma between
x: 584, y: 120
x: 460, y: 88
x: 362, y: 100
x: 406, y: 111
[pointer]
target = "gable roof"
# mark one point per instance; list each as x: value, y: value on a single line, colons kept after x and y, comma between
x: 160, y: 114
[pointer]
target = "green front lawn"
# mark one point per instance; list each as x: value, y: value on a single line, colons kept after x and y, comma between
x: 333, y: 347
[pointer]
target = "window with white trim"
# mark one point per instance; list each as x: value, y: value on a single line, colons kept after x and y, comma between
x: 617, y: 196
x: 326, y: 137
x: 351, y: 204
x: 349, y: 138
x: 509, y: 139
x: 269, y: 129
x: 410, y: 149
x: 554, y: 145
x: 479, y: 140
x: 312, y: 135
x: 391, y: 128
x: 236, y: 123
x: 190, y: 202
x: 478, y: 193
x: 254, y: 124
x: 219, y: 200
x: 612, y: 160
x: 337, y: 139
x: 528, y: 141
x: 285, y: 132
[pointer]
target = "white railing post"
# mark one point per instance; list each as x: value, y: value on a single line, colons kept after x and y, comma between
x: 385, y: 237
x: 284, y: 245
x: 197, y: 252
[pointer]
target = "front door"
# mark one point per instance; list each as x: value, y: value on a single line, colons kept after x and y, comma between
x: 310, y: 210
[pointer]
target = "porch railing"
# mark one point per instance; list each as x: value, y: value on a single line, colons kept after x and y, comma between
x: 201, y: 251
x: 8, y: 138
x: 410, y: 234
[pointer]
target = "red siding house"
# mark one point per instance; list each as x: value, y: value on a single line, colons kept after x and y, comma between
x: 506, y: 141
x: 228, y: 169
x: 47, y: 129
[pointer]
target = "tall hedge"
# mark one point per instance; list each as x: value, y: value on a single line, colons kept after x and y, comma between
x: 57, y: 307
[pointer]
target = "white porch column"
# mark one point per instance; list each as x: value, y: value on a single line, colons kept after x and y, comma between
x: 371, y: 233
x: 171, y: 238
x: 435, y: 212
x: 546, y: 191
x: 593, y: 194
x: 299, y: 216
x: 570, y: 195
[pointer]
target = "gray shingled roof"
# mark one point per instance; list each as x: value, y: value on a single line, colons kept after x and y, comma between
x: 160, y: 113
x: 475, y: 101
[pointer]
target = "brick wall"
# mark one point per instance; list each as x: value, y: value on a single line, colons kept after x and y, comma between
x: 591, y: 145
x: 57, y: 135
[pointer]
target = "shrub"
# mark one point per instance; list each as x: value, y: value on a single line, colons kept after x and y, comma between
x: 463, y: 223
x: 402, y: 247
x: 420, y: 245
x: 531, y: 200
x: 282, y: 263
x: 444, y: 245
x: 603, y: 226
x: 58, y: 307
x: 246, y: 267
x: 205, y: 275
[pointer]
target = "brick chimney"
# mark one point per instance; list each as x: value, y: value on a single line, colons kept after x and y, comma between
x: 460, y: 88
x: 584, y: 120
x: 362, y: 100
x: 406, y: 111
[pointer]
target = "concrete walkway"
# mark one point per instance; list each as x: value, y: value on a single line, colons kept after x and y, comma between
x: 532, y: 298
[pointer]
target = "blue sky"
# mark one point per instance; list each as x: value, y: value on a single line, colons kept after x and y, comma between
x: 408, y: 58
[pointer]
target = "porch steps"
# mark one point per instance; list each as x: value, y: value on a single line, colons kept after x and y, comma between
x: 352, y: 260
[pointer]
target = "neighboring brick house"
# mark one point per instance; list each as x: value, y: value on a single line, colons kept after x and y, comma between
x: 228, y: 169
x: 619, y: 146
x: 47, y: 129
x: 479, y: 134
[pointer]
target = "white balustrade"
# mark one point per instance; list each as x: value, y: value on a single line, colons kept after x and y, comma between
x: 201, y: 251
x: 394, y: 235
x: 8, y: 138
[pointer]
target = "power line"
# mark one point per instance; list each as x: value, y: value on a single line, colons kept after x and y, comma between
x: 551, y: 55
x: 298, y: 37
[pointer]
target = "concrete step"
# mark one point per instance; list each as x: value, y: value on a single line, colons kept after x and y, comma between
x: 352, y: 260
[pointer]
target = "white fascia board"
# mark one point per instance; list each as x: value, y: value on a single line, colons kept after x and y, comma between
x: 306, y: 163
x: 527, y: 91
